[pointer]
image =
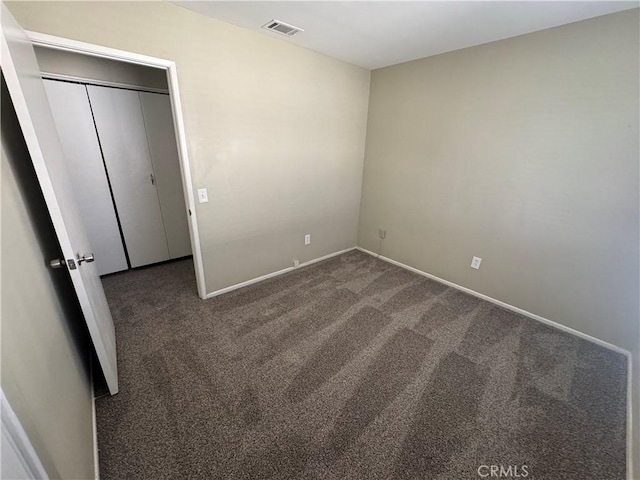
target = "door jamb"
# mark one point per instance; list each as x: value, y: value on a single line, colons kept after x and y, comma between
x: 20, y: 448
x: 74, y: 46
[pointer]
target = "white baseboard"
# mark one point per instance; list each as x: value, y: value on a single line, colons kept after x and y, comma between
x: 96, y: 458
x: 275, y: 274
x: 630, y: 419
x: 325, y: 257
x: 248, y: 282
x: 546, y: 321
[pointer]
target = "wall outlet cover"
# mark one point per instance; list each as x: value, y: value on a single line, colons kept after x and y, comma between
x: 382, y: 233
x: 203, y: 197
x: 307, y: 239
x: 475, y: 262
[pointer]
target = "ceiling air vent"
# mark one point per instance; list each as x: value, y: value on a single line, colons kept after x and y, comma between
x: 282, y: 28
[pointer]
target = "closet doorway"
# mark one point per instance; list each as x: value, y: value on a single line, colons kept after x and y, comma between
x: 119, y: 146
x: 118, y: 118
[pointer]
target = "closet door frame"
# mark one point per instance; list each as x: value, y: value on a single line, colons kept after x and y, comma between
x: 60, y: 43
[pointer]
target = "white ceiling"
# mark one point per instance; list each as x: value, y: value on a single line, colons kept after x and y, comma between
x: 375, y: 34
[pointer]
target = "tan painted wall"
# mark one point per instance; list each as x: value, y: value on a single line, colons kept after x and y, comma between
x: 43, y: 341
x: 523, y: 152
x: 275, y: 132
x: 95, y: 68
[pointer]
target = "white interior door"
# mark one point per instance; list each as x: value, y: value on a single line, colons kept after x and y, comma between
x: 118, y: 118
x: 158, y: 121
x: 22, y: 75
x: 74, y: 122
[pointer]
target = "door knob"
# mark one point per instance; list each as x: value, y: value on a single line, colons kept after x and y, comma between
x: 87, y: 257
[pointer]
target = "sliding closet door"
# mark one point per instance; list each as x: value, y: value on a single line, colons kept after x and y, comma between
x: 120, y: 125
x: 158, y: 120
x: 72, y: 117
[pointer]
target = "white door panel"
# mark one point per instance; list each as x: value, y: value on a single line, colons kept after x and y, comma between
x: 118, y: 119
x: 158, y: 120
x: 74, y: 122
x: 22, y: 74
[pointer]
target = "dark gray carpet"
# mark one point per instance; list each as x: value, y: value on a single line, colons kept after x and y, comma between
x: 350, y: 369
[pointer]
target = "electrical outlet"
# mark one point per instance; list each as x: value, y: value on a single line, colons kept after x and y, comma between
x: 202, y: 195
x: 307, y: 239
x: 475, y: 262
x: 382, y: 233
x: 296, y: 263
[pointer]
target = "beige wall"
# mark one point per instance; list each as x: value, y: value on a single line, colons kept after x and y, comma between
x: 523, y: 152
x: 275, y: 132
x: 95, y: 68
x: 43, y: 341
